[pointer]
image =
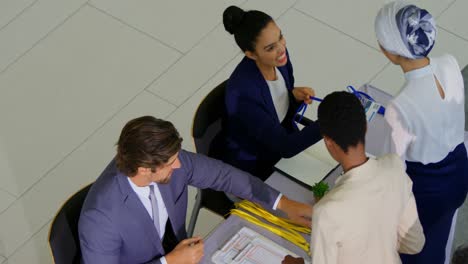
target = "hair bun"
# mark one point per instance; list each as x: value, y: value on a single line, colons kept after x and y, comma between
x: 232, y: 18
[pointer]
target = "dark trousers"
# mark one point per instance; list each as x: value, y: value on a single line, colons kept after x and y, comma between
x: 439, y: 189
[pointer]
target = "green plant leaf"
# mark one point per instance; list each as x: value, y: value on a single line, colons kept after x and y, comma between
x: 319, y: 189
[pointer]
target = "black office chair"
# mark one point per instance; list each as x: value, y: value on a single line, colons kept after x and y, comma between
x: 207, y: 132
x: 63, y: 237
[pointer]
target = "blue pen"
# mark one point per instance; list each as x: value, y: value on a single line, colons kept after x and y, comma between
x: 316, y: 99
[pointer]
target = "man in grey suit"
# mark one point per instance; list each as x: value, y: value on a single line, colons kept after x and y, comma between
x: 135, y: 211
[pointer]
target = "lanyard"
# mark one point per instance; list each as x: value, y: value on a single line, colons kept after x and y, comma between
x: 282, y: 227
x: 362, y: 96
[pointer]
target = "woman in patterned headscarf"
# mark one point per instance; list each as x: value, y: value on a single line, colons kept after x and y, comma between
x: 427, y: 121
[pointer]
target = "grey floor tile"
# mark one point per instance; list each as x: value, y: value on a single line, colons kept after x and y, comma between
x: 38, y: 21
x: 455, y: 18
x: 35, y: 251
x: 5, y: 200
x: 189, y: 74
x: 64, y: 89
x: 10, y: 9
x: 180, y: 24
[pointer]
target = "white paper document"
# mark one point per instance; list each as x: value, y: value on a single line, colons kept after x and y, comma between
x: 249, y: 247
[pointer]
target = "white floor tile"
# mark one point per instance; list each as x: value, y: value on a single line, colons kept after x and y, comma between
x: 190, y: 73
x: 205, y: 59
x: 5, y: 200
x: 35, y: 23
x: 356, y: 18
x: 9, y: 9
x: 392, y: 78
x: 455, y: 18
x: 183, y: 116
x: 68, y: 86
x: 274, y: 8
x: 37, y: 206
x: 180, y: 24
x: 35, y: 251
x: 325, y: 59
x: 2, y: 259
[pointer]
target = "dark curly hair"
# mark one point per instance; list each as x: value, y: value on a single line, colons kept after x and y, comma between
x: 341, y: 117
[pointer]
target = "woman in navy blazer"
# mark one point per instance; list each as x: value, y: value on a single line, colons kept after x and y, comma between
x: 261, y: 100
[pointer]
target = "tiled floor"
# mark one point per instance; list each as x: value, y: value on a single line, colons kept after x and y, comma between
x: 73, y: 72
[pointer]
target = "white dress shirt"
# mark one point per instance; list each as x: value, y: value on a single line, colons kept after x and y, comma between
x: 368, y: 217
x: 143, y: 194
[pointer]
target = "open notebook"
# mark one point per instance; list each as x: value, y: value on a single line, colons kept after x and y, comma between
x: 310, y: 166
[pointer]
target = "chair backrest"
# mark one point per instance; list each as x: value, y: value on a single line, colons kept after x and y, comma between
x: 63, y: 236
x: 207, y: 123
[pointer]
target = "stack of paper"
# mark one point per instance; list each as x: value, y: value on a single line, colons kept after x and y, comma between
x: 249, y: 247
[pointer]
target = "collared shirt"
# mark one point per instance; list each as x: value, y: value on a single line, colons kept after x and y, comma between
x: 143, y: 193
x: 368, y: 217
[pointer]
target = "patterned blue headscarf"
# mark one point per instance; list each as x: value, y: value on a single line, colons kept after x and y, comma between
x: 405, y: 30
x: 417, y: 30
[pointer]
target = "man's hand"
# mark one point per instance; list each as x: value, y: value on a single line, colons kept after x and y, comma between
x: 303, y: 94
x: 292, y: 260
x: 188, y: 251
x: 299, y: 213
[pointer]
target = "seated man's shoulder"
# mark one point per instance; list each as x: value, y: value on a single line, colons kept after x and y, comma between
x: 105, y: 190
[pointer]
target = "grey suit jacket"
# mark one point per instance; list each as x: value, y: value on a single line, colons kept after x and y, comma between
x: 114, y: 226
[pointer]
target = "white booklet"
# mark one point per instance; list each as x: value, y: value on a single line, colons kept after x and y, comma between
x: 310, y: 166
x: 249, y: 247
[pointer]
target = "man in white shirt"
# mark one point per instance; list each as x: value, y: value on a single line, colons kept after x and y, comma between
x: 370, y: 215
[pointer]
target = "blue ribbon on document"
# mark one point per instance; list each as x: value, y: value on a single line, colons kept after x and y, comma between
x: 362, y: 96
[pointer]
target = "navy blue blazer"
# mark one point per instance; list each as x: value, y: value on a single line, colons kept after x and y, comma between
x: 114, y: 226
x: 255, y: 138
